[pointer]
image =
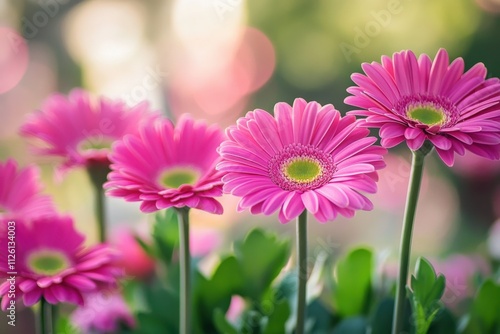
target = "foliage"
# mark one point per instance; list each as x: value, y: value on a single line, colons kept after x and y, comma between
x: 255, y: 271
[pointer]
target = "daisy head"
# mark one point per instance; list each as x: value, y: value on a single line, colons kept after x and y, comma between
x: 81, y: 130
x: 20, y: 192
x: 103, y: 312
x: 306, y: 157
x: 417, y: 99
x: 51, y: 262
x: 168, y: 166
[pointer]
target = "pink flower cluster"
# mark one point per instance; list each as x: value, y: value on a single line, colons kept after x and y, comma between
x: 305, y: 157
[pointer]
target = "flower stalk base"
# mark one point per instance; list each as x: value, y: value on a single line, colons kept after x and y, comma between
x: 417, y: 167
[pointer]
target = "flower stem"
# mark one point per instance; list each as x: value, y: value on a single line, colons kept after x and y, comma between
x: 417, y: 167
x: 98, y: 175
x: 185, y: 264
x: 45, y: 321
x: 302, y: 271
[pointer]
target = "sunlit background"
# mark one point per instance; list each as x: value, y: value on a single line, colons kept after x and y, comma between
x: 217, y: 59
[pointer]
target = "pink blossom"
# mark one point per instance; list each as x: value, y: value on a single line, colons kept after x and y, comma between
x: 306, y: 157
x: 166, y: 166
x: 415, y: 100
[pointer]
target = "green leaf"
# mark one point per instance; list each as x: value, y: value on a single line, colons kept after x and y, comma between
x: 354, y: 325
x: 147, y: 248
x: 425, y: 294
x: 158, y: 299
x: 227, y: 280
x: 353, y: 282
x: 444, y: 323
x: 486, y: 307
x: 321, y: 317
x: 221, y: 324
x: 64, y: 326
x: 427, y: 287
x: 148, y: 323
x: 381, y: 322
x: 166, y: 234
x: 278, y: 317
x: 261, y: 256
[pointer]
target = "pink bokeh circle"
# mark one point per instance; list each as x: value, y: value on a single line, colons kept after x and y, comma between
x: 13, y: 58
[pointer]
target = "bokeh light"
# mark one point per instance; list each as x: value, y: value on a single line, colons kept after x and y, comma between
x: 14, y: 58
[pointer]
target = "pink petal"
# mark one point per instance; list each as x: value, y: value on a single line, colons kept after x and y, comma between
x: 293, y: 206
x: 311, y: 201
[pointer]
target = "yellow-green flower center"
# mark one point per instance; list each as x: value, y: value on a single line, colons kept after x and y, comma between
x: 176, y: 177
x: 95, y: 143
x: 302, y: 170
x: 299, y: 167
x: 48, y: 262
x: 427, y: 115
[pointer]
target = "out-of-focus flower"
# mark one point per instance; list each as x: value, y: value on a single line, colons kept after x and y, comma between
x: 20, y: 195
x: 81, y: 130
x: 103, y: 312
x: 308, y: 157
x: 414, y: 100
x: 459, y: 271
x: 166, y: 166
x: 52, y: 262
x: 476, y: 167
x: 392, y: 184
x: 236, y: 307
x: 14, y: 58
x: 203, y: 241
x: 133, y: 259
x: 494, y: 240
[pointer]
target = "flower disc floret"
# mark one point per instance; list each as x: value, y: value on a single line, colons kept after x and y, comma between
x: 301, y: 167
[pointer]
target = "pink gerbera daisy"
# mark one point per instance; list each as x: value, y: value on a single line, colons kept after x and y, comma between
x: 20, y: 192
x: 308, y: 157
x: 50, y: 262
x: 414, y: 100
x: 166, y: 166
x: 81, y: 130
x: 104, y: 312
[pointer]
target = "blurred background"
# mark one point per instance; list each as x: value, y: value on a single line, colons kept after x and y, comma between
x: 218, y: 59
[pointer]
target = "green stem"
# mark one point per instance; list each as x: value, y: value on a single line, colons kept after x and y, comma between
x: 54, y: 309
x: 417, y: 167
x: 98, y: 175
x: 45, y: 321
x: 302, y: 271
x: 185, y: 264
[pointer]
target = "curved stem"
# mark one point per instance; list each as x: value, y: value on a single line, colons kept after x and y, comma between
x: 405, y: 247
x: 98, y: 175
x: 185, y: 264
x: 302, y: 271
